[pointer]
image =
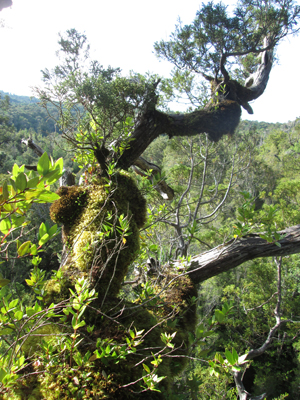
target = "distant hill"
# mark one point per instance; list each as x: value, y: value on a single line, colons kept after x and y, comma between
x: 15, y: 99
x: 26, y: 113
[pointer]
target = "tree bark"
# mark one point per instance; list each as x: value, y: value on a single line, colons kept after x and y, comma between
x: 242, y: 392
x: 235, y: 252
x: 257, y: 82
x: 221, y: 119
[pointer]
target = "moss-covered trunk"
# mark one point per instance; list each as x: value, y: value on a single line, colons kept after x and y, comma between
x: 100, y: 248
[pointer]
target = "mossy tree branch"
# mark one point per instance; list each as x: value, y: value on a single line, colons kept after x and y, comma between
x: 217, y: 121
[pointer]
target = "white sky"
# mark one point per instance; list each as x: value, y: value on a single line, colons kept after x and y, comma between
x: 122, y: 34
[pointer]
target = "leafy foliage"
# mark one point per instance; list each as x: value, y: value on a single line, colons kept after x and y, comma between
x: 216, y: 33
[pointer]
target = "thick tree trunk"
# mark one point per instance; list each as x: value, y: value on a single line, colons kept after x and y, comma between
x: 221, y: 119
x: 235, y: 252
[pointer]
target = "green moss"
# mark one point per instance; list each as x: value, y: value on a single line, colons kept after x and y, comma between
x: 65, y: 383
x: 92, y: 231
x: 31, y: 345
x: 98, y: 250
x: 69, y: 206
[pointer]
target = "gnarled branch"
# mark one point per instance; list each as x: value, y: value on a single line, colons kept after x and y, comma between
x: 237, y: 251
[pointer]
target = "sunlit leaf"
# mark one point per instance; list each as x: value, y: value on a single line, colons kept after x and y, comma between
x: 42, y: 230
x: 21, y: 181
x: 49, y: 176
x: 17, y: 220
x: 15, y: 170
x: 59, y: 164
x: 47, y: 197
x: 18, y: 315
x: 5, y: 226
x: 52, y: 230
x: 146, y: 368
x: 235, y: 356
x: 43, y: 164
x: 44, y: 239
x: 229, y: 357
x: 24, y: 248
x: 33, y: 250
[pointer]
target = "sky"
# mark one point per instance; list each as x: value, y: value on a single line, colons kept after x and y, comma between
x: 122, y: 34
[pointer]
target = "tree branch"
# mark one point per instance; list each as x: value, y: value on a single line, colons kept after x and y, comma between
x: 257, y: 82
x: 219, y: 120
x: 235, y: 252
x: 32, y: 145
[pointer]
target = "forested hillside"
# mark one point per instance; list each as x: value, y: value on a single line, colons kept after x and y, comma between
x: 264, y: 189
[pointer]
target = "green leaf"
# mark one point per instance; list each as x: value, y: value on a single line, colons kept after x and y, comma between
x: 52, y: 230
x: 32, y: 194
x: 18, y: 315
x: 219, y: 358
x: 51, y: 176
x: 4, y: 282
x: 229, y: 357
x: 24, y: 248
x: 44, y: 239
x: 42, y: 230
x: 13, y: 303
x: 17, y: 220
x: 47, y: 197
x: 5, y: 226
x: 219, y: 316
x: 43, y: 164
x: 32, y: 183
x: 76, y: 326
x: 153, y: 247
x: 33, y: 250
x: 146, y: 368
x: 21, y: 181
x: 131, y: 333
x: 5, y: 191
x: 59, y: 164
x: 15, y: 170
x: 13, y: 186
x: 5, y: 331
x: 30, y: 311
x: 235, y: 356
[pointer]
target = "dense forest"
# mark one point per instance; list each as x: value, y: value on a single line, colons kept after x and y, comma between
x: 147, y: 253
